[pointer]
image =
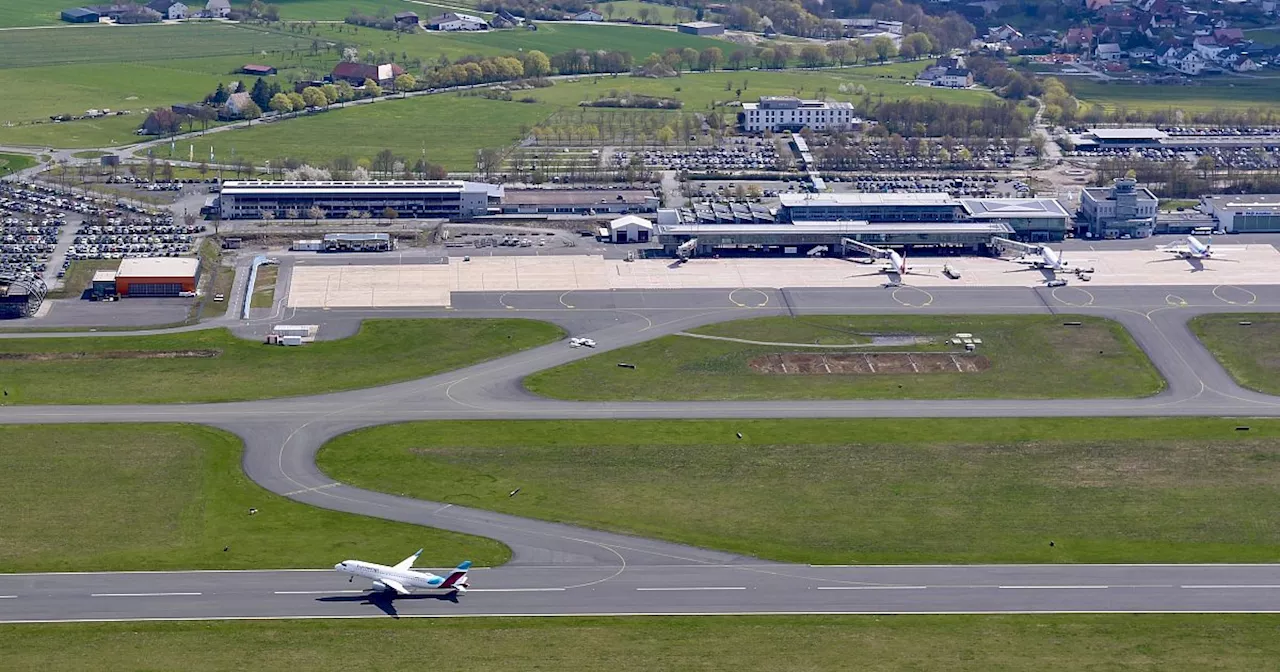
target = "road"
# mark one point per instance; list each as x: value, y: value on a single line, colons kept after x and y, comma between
x: 282, y: 436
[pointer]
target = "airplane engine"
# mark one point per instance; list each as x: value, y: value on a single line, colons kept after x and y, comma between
x: 378, y: 585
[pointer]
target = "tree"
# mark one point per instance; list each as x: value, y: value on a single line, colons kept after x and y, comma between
x: 271, y: 13
x: 281, y: 104
x: 312, y: 96
x: 389, y: 213
x: 220, y: 95
x: 371, y: 88
x: 536, y: 64
x: 643, y: 14
x: 345, y: 92
x: 609, y: 9
x: 863, y: 51
x: 315, y: 213
x: 261, y: 93
x: 689, y: 56
x: 406, y: 82
x: 710, y: 58
x: 250, y: 111
x: 297, y: 101
x: 1038, y: 143
x: 884, y: 48
x: 384, y: 162
x: 766, y: 56
x: 330, y: 93
x: 916, y: 45
x: 665, y: 135
x: 813, y: 55
x: 838, y: 51
x: 736, y: 58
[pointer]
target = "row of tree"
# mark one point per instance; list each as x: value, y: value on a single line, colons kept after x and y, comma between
x: 931, y: 118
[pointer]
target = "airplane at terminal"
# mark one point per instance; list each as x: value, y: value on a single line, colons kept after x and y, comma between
x: 1039, y: 257
x: 402, y: 579
x: 1193, y: 249
x: 897, y: 262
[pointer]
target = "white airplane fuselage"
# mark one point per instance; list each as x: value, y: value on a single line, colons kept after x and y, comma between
x: 410, y: 579
x: 899, y: 264
x: 1196, y: 249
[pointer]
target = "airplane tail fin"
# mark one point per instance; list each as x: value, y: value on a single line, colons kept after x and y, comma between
x: 457, y: 575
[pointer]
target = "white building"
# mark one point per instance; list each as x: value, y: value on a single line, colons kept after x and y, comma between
x: 955, y: 78
x: 587, y: 15
x: 454, y: 22
x: 1121, y: 209
x: 1186, y: 61
x: 786, y: 113
x: 630, y: 229
x: 218, y: 9
x: 418, y: 199
x: 1108, y: 52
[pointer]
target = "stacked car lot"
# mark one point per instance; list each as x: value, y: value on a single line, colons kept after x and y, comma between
x: 1261, y: 157
x: 880, y: 155
x: 746, y: 155
x: 118, y: 236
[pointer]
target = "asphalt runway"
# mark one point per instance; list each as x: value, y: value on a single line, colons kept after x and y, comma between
x: 560, y: 569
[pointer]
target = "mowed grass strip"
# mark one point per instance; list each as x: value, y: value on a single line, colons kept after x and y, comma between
x: 264, y: 290
x: 149, y: 497
x: 859, y: 491
x: 118, y: 370
x: 11, y: 163
x: 1031, y: 356
x: 1251, y: 354
x: 14, y: 13
x: 740, y: 644
x: 1236, y: 94
x: 124, y: 44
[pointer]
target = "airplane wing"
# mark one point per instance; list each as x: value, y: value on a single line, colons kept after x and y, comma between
x: 396, y: 586
x: 408, y: 562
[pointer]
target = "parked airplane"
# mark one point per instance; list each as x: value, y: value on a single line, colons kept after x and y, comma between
x: 897, y: 262
x: 1039, y: 257
x: 1194, y: 249
x: 402, y: 579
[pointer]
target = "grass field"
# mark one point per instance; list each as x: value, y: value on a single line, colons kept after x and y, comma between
x: 80, y: 275
x: 1250, y: 354
x: 1234, y: 93
x: 71, y: 371
x: 13, y: 162
x: 29, y: 13
x: 1267, y: 38
x: 859, y: 491
x: 630, y: 9
x: 1030, y: 357
x: 131, y: 497
x: 133, y: 44
x: 1194, y: 643
x: 264, y: 289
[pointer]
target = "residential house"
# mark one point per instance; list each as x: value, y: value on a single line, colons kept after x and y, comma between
x: 1003, y: 33
x: 218, y: 9
x: 505, y: 19
x: 356, y: 73
x: 1096, y: 5
x: 453, y: 21
x: 1239, y: 62
x: 1228, y: 36
x: 1207, y: 48
x: 235, y: 106
x: 1184, y: 60
x: 406, y: 19
x: 587, y: 15
x: 168, y: 9
x: 1108, y: 52
x: 1078, y: 38
x: 955, y: 78
x: 1142, y: 53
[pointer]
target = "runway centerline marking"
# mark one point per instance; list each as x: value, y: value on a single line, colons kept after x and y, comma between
x: 144, y: 594
x: 515, y: 590
x: 1231, y: 585
x: 314, y: 592
x: 1053, y: 587
x: 672, y: 588
x: 8, y: 597
x: 873, y: 587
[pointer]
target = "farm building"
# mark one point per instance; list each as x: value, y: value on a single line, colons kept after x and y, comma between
x: 454, y: 22
x: 700, y: 28
x: 156, y: 276
x: 80, y: 15
x: 168, y: 9
x: 218, y: 9
x: 259, y: 70
x: 587, y: 15
x: 356, y: 73
x: 406, y: 19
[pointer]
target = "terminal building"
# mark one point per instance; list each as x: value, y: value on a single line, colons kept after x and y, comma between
x: 433, y: 199
x: 787, y: 113
x: 1120, y: 138
x: 1029, y: 219
x: 1123, y: 209
x: 1251, y: 213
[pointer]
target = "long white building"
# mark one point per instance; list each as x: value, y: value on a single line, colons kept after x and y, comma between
x: 787, y: 113
x: 421, y: 199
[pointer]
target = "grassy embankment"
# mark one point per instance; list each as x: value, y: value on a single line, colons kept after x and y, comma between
x: 80, y: 276
x: 10, y: 163
x: 1030, y: 357
x: 130, y: 497
x: 214, y: 365
x: 1193, y: 643
x: 1251, y: 354
x: 264, y: 290
x: 859, y: 491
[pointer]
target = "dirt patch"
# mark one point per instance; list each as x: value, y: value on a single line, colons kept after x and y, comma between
x: 803, y: 363
x: 117, y: 354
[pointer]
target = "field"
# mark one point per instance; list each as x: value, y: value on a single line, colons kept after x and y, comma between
x: 1250, y: 354
x: 213, y: 365
x: 630, y: 9
x: 859, y: 491
x: 1194, y: 643
x: 1234, y: 93
x: 80, y: 275
x: 14, y: 162
x: 131, y: 497
x: 1029, y: 356
x: 29, y: 13
x: 264, y: 290
x: 133, y: 44
x: 1268, y: 38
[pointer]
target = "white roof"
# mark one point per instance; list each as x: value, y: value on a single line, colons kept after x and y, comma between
x: 1023, y: 208
x: 158, y: 267
x: 629, y: 220
x: 799, y: 200
x: 1128, y: 133
x: 104, y: 276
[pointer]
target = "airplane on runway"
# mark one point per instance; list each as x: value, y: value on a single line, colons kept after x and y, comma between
x: 897, y: 265
x: 1040, y: 257
x: 402, y: 579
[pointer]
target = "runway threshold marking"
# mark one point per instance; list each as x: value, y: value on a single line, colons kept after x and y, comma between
x: 144, y: 594
x: 674, y: 588
x: 873, y: 587
x: 8, y: 597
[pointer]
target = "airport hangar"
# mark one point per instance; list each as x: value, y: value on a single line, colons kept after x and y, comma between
x: 149, y: 276
x: 806, y: 222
